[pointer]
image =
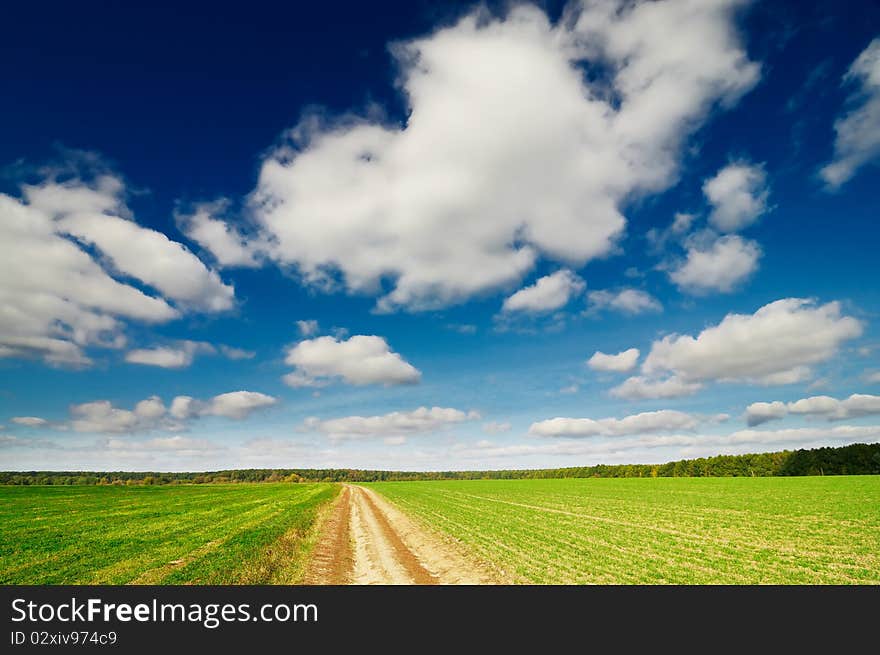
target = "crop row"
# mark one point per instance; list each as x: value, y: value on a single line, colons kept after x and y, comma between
x: 119, y: 535
x: 684, y: 531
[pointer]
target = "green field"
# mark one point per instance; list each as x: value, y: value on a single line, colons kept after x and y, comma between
x: 222, y: 534
x: 807, y: 530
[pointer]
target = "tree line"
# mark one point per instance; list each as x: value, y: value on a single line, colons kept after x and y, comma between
x: 856, y: 459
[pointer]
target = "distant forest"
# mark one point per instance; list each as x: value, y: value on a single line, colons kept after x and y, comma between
x: 857, y: 459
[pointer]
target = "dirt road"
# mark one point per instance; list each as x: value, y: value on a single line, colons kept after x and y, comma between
x: 367, y: 540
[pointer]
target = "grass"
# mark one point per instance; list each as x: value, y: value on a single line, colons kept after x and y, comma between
x: 200, y: 534
x: 805, y: 530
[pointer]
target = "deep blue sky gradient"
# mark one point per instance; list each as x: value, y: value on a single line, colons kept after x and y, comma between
x: 183, y: 98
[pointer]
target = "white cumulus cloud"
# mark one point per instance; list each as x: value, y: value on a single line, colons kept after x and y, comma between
x: 778, y: 339
x: 738, y: 195
x: 640, y: 387
x: 68, y: 251
x: 150, y: 409
x: 149, y: 256
x: 358, y: 360
x: 666, y: 420
x: 855, y: 406
x: 717, y: 265
x: 814, y: 405
x: 237, y: 404
x: 101, y: 416
x: 184, y: 407
x: 758, y: 413
x: 217, y: 236
x: 182, y: 353
x: 777, y: 344
x: 546, y: 294
x: 509, y: 151
x: 857, y: 133
x: 625, y: 301
x: 162, y: 356
x: 620, y: 363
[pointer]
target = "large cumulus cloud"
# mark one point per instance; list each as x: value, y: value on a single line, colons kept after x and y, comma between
x: 523, y: 139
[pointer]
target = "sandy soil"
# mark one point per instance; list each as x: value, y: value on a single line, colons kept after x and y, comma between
x: 367, y: 540
x: 332, y: 560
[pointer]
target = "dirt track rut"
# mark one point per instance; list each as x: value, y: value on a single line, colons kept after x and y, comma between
x: 367, y: 540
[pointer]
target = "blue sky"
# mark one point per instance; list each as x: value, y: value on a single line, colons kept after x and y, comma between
x: 436, y: 235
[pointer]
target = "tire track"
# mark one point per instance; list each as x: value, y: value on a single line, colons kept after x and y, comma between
x: 332, y: 561
x: 381, y: 557
x: 367, y: 540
